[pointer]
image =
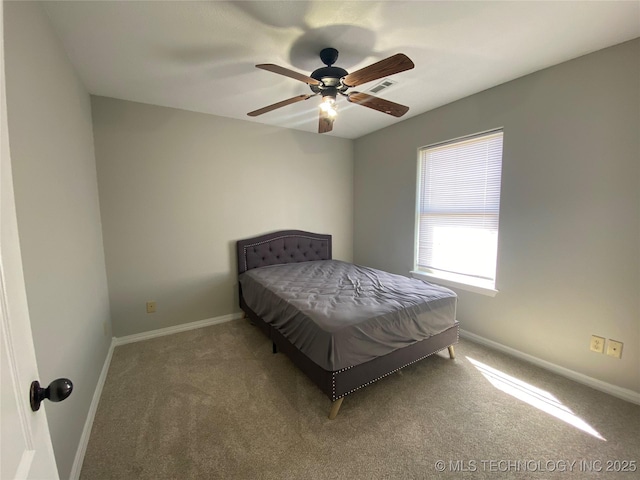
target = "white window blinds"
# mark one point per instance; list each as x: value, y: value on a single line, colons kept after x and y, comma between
x: 459, y: 206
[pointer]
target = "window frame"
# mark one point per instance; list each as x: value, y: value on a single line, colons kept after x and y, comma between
x: 454, y: 280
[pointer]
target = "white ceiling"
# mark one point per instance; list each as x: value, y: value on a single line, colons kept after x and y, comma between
x: 201, y: 56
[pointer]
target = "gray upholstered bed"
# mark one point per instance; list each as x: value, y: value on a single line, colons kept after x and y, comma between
x: 344, y: 325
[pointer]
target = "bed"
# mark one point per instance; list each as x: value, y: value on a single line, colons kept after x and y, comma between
x: 344, y: 325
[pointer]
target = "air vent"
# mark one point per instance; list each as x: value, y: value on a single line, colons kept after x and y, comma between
x: 386, y: 83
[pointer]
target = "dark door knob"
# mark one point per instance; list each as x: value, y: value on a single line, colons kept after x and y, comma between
x: 57, y: 391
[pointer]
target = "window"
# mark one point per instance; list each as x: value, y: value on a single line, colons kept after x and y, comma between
x: 458, y: 210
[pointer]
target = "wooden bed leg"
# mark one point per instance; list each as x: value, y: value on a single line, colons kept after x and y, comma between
x: 274, y: 348
x: 248, y: 318
x: 334, y: 408
x: 452, y: 352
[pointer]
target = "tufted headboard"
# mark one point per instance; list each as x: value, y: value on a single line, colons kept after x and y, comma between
x: 285, y: 246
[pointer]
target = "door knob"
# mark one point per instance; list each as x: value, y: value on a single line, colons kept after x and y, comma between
x: 57, y: 391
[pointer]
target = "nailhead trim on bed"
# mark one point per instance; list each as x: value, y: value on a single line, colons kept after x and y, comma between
x: 320, y: 244
x: 333, y: 376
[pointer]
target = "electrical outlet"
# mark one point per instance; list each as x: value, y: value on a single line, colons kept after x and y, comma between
x: 151, y: 307
x: 597, y: 344
x: 614, y: 349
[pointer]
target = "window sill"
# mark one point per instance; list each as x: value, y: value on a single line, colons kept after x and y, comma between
x: 457, y: 281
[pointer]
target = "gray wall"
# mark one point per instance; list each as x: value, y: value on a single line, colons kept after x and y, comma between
x: 569, y: 241
x: 56, y: 193
x: 178, y: 188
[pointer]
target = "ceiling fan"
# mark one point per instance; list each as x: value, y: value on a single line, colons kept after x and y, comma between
x: 332, y: 81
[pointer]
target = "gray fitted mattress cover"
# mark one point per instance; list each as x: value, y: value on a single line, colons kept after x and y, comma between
x: 341, y: 315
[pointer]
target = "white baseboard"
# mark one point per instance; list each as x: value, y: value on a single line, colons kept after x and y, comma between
x: 88, y: 424
x: 619, y: 392
x: 138, y: 337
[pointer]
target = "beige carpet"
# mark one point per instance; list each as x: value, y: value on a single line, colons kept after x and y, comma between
x: 215, y: 403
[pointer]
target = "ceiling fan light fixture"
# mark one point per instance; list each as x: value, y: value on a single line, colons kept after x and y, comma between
x: 328, y: 106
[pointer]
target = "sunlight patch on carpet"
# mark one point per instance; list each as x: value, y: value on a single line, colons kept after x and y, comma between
x: 534, y: 396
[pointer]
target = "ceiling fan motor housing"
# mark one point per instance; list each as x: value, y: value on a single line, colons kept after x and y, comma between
x: 329, y: 76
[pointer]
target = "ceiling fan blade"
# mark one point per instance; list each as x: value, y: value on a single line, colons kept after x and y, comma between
x: 325, y: 122
x: 283, y: 103
x: 380, y: 104
x: 288, y: 73
x: 389, y: 66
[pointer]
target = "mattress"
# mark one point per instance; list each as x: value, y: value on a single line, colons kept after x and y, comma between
x: 341, y: 315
